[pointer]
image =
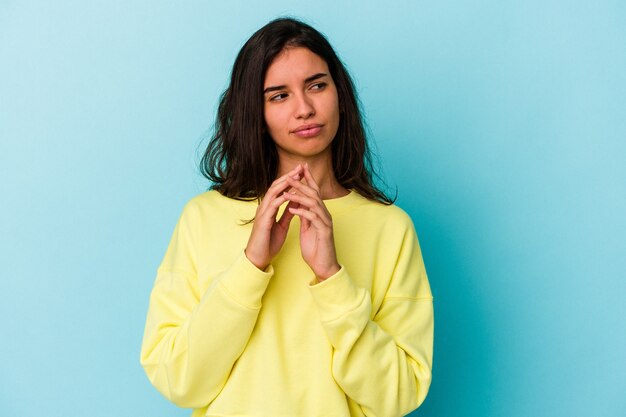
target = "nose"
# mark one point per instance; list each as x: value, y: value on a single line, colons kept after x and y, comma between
x: 304, y: 107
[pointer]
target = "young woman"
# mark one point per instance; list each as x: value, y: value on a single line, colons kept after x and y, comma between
x: 293, y: 287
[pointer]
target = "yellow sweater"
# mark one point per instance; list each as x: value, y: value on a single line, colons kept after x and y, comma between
x: 228, y: 339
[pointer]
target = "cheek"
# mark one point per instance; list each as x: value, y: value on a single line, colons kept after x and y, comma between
x: 273, y: 120
x: 269, y: 120
x: 336, y: 114
x: 334, y: 105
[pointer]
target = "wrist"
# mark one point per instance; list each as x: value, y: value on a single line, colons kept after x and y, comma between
x: 323, y: 276
x: 254, y: 261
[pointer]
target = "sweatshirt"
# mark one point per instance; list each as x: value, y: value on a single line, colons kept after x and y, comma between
x: 230, y: 340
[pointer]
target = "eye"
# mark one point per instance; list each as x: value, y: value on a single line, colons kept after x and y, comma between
x: 318, y: 86
x: 278, y: 97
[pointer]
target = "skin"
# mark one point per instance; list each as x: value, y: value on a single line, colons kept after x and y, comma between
x: 299, y: 91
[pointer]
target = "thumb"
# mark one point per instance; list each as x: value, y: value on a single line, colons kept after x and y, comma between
x: 285, y: 218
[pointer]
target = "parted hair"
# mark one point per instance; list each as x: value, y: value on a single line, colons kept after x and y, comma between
x: 241, y: 159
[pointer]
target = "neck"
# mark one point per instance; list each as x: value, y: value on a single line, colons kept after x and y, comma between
x: 322, y: 170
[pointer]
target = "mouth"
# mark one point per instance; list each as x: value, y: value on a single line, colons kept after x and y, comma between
x: 307, y: 131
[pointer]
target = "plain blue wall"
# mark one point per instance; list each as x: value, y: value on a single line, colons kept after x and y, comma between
x: 501, y: 123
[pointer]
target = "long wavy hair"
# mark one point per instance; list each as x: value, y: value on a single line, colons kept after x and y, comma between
x: 241, y: 159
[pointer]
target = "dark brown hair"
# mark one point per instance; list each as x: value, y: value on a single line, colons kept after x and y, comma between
x: 241, y: 159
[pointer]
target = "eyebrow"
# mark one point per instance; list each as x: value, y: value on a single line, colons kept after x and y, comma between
x: 307, y: 80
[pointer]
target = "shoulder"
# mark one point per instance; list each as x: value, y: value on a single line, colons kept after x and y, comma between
x: 212, y: 205
x: 207, y: 199
x: 387, y: 216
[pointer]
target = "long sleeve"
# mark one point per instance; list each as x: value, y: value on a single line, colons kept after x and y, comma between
x: 189, y: 346
x: 381, y: 359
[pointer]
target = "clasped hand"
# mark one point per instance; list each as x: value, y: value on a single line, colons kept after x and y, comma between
x: 316, y: 228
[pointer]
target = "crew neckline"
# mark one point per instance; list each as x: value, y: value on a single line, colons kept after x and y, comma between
x: 326, y: 200
x: 339, y: 202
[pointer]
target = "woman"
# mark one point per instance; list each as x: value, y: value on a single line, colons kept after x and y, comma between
x: 294, y: 287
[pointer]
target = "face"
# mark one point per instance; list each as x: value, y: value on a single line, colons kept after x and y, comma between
x: 301, y: 106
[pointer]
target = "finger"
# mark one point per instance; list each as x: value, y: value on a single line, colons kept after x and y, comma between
x: 312, y: 217
x: 270, y: 209
x: 305, y: 224
x: 304, y: 188
x: 280, y: 190
x: 287, y: 215
x: 313, y: 194
x: 304, y: 200
x: 280, y: 184
x: 308, y: 177
x: 312, y: 205
x: 310, y: 181
x: 272, y: 193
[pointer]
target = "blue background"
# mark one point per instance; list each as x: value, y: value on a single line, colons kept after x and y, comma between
x: 503, y: 125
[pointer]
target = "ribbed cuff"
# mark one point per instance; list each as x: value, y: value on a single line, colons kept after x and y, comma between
x: 245, y: 283
x: 336, y: 295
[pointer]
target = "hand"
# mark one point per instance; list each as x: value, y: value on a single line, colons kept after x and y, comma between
x: 316, y: 226
x: 268, y: 235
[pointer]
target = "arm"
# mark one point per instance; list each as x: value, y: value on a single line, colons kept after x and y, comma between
x: 192, y: 340
x: 189, y: 345
x: 383, y: 360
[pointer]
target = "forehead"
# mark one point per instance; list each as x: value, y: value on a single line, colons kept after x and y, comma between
x: 294, y: 64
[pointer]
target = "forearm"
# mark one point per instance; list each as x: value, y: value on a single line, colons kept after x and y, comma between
x: 382, y: 363
x: 189, y: 345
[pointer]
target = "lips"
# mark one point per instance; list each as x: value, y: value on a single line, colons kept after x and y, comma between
x: 307, y: 131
